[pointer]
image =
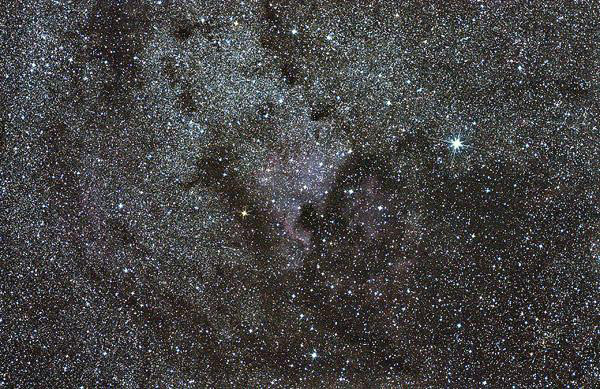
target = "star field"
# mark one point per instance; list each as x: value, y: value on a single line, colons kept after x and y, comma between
x: 292, y: 194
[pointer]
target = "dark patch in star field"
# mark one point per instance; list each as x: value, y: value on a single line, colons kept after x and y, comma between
x: 309, y: 218
x: 217, y: 172
x: 276, y: 39
x: 291, y: 73
x: 121, y: 232
x: 186, y: 101
x: 117, y: 30
x: 342, y: 243
x: 184, y: 31
x: 172, y: 71
x: 321, y: 111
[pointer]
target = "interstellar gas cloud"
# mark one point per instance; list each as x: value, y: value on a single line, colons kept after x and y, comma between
x: 297, y: 194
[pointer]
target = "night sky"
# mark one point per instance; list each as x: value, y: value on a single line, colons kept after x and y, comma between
x: 299, y: 194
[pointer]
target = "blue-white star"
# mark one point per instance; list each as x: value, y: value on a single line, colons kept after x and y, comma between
x: 456, y: 144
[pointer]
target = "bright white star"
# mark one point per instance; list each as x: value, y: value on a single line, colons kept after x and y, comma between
x: 456, y: 144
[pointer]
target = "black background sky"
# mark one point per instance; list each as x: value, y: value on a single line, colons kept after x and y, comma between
x: 299, y: 194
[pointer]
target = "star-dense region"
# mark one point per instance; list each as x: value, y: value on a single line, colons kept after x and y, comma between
x: 297, y: 194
